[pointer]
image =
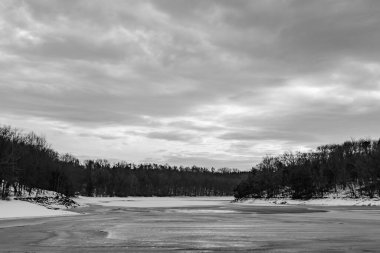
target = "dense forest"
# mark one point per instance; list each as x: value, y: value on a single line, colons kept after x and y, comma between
x: 27, y: 162
x: 353, y: 166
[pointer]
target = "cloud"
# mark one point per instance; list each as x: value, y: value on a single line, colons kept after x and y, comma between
x: 261, y: 135
x: 101, y: 136
x: 228, y: 78
x: 171, y: 136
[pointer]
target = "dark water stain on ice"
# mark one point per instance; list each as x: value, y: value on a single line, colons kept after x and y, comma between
x: 227, y: 228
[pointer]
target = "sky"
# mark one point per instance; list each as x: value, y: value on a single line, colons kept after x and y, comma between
x: 211, y: 83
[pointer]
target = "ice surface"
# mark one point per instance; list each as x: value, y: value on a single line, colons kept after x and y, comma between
x: 200, y: 211
x: 196, y: 224
x: 153, y: 201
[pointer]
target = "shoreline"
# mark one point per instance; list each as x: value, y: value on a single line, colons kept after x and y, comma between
x: 328, y: 201
x: 18, y: 209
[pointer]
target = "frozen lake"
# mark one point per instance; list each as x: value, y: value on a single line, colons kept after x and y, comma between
x: 195, y: 224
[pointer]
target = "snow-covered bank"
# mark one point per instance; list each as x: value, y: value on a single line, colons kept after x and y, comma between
x: 339, y: 197
x: 22, y: 209
x: 153, y: 201
x: 56, y: 202
x: 316, y: 202
x: 35, y: 203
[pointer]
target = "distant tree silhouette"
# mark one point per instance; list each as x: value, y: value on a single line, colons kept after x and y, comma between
x: 27, y: 162
x: 353, y: 165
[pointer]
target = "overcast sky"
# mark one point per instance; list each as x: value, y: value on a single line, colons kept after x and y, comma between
x: 212, y: 83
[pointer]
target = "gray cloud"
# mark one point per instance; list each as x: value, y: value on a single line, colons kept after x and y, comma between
x: 101, y: 136
x: 188, y: 125
x: 228, y: 77
x: 171, y: 136
x: 75, y: 48
x: 261, y: 135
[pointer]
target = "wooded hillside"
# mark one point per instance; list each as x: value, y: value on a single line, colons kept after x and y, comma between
x: 27, y: 162
x: 353, y: 165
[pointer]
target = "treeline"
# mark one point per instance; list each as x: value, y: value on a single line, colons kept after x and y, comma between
x: 125, y: 179
x: 27, y: 162
x: 353, y: 166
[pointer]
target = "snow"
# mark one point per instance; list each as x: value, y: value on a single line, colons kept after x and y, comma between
x: 32, y: 193
x: 329, y: 201
x: 147, y: 202
x: 22, y: 209
x: 339, y: 197
x: 151, y: 202
x: 36, y: 203
x: 39, y: 193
